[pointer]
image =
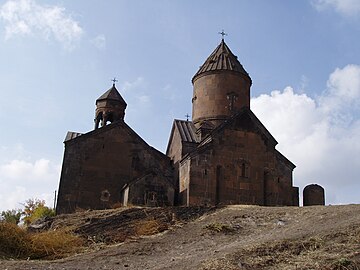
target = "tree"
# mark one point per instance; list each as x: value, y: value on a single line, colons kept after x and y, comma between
x: 35, y: 209
x: 11, y: 216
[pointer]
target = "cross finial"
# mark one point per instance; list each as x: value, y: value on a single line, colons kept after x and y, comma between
x: 223, y: 34
x: 187, y: 117
x: 114, y: 81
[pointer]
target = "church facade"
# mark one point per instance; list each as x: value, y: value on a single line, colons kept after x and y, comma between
x: 225, y: 155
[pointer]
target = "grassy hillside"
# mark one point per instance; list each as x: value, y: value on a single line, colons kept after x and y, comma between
x: 233, y: 237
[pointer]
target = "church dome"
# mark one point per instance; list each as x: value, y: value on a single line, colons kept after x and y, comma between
x: 221, y: 88
x: 221, y: 59
x: 110, y: 107
x: 112, y: 94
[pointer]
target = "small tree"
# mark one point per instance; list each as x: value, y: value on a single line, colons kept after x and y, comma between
x: 35, y: 209
x: 11, y: 216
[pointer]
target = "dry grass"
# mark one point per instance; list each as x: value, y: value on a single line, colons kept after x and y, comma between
x: 312, y: 253
x: 54, y: 244
x: 345, y: 264
x: 150, y: 227
x: 16, y: 242
x: 116, y: 205
x: 278, y: 252
x: 334, y: 251
x: 219, y: 227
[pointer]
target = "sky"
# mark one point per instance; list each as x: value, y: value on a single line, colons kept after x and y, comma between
x: 58, y: 57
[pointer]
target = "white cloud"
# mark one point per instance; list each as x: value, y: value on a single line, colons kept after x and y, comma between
x: 320, y: 135
x: 344, y: 7
x: 26, y: 17
x: 343, y: 88
x: 99, y: 42
x: 136, y: 92
x: 345, y: 83
x: 138, y: 84
x: 19, y: 169
x: 21, y: 180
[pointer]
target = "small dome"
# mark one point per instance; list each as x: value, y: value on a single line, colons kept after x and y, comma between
x: 110, y: 107
x: 112, y: 94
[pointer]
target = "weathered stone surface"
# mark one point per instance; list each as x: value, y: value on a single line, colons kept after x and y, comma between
x: 218, y: 95
x: 237, y: 166
x: 224, y: 156
x: 313, y: 195
x: 98, y: 164
x: 234, y: 160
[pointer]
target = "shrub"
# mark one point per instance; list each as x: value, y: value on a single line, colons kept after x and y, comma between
x: 345, y: 264
x: 149, y: 227
x: 14, y: 241
x: 54, y: 244
x: 219, y: 227
x: 35, y: 209
x: 11, y: 216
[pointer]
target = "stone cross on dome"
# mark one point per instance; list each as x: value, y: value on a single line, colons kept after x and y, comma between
x: 223, y: 34
x: 114, y: 81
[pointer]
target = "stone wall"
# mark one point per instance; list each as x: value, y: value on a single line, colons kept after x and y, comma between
x: 98, y: 164
x: 212, y: 96
x: 313, y: 195
x: 238, y: 168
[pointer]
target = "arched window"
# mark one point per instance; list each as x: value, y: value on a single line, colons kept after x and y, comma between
x: 109, y: 118
x: 98, y: 119
x: 245, y: 169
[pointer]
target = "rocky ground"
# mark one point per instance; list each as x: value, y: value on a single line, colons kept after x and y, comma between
x: 232, y: 237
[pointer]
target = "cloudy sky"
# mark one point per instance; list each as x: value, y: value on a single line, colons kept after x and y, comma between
x: 57, y: 57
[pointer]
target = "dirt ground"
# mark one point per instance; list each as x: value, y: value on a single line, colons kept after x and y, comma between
x: 232, y: 237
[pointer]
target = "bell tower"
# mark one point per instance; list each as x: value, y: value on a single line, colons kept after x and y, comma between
x: 110, y: 107
x: 221, y: 88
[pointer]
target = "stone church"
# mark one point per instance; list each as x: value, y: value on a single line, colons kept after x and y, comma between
x: 225, y: 155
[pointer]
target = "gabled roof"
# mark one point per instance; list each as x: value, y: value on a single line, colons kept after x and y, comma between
x: 240, y: 115
x: 207, y: 125
x: 71, y: 135
x: 112, y: 94
x: 186, y: 130
x: 152, y: 172
x: 284, y: 159
x: 221, y: 59
x: 257, y: 125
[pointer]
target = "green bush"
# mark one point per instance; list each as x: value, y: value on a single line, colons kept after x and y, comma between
x: 35, y: 209
x: 11, y: 216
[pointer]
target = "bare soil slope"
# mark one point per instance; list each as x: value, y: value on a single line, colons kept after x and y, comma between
x: 232, y: 237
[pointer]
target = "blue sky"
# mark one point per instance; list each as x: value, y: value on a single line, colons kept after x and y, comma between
x: 57, y: 57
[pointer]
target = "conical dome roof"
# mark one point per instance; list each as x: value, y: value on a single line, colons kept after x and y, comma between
x: 112, y: 94
x: 221, y: 59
